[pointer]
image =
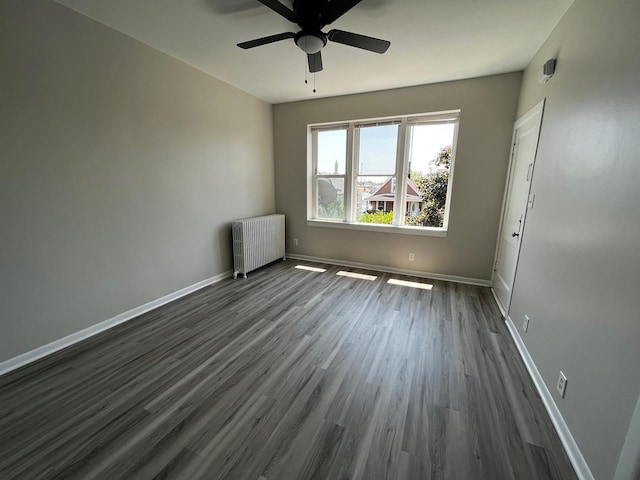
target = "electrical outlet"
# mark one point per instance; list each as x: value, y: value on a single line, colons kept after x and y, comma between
x: 295, y: 242
x: 562, y: 384
x: 412, y: 257
x: 525, y: 324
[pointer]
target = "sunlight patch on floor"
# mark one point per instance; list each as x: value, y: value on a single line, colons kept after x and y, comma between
x: 361, y: 276
x: 310, y: 269
x: 405, y: 283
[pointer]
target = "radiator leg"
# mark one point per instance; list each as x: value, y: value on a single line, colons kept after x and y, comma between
x: 235, y: 275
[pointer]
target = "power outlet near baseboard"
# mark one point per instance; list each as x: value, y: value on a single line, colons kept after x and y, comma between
x: 562, y: 384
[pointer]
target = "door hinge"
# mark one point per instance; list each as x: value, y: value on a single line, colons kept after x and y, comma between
x: 529, y: 169
x: 532, y: 198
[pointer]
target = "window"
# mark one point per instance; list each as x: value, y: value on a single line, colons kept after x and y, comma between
x: 356, y: 167
x: 330, y: 147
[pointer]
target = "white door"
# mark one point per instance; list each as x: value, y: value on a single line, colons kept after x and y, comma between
x: 523, y: 154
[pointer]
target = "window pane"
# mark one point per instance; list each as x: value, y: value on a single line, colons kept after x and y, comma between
x: 330, y: 198
x: 375, y: 199
x: 429, y: 157
x: 332, y: 152
x: 378, y: 150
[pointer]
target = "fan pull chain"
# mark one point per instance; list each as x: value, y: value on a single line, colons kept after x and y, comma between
x: 306, y: 76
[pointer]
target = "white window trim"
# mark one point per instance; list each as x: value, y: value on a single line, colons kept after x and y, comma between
x: 351, y: 172
x: 375, y: 227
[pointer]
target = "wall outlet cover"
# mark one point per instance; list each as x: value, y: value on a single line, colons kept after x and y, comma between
x: 562, y: 384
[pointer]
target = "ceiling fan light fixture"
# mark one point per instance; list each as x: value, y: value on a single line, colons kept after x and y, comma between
x: 310, y: 43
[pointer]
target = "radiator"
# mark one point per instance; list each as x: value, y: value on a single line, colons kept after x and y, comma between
x: 256, y: 242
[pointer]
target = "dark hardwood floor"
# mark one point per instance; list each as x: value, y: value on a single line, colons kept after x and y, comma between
x: 290, y: 374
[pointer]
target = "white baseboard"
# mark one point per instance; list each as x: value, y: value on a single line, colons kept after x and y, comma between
x: 381, y: 268
x: 40, y: 352
x: 573, y: 451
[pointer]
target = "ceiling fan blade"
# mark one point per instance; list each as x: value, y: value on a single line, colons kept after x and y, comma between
x: 359, y: 41
x: 336, y: 8
x: 265, y: 40
x: 315, y: 62
x: 281, y: 9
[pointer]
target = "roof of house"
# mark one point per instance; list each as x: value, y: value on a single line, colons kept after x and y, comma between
x: 384, y: 193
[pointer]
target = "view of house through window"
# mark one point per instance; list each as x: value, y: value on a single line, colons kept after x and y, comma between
x: 376, y: 181
x: 356, y: 167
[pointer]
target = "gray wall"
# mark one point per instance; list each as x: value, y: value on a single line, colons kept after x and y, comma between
x: 579, y: 269
x: 488, y: 107
x: 120, y: 171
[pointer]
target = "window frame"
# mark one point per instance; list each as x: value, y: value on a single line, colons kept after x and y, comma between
x: 405, y: 122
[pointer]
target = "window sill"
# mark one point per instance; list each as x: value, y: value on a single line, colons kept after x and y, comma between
x: 372, y: 227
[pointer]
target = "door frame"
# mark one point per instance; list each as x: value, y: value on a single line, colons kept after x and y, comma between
x: 538, y: 109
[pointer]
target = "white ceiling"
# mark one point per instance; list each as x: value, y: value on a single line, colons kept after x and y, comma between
x: 431, y: 41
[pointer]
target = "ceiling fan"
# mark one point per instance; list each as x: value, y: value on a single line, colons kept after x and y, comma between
x: 312, y: 16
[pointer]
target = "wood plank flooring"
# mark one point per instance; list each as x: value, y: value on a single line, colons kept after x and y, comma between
x: 290, y: 374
